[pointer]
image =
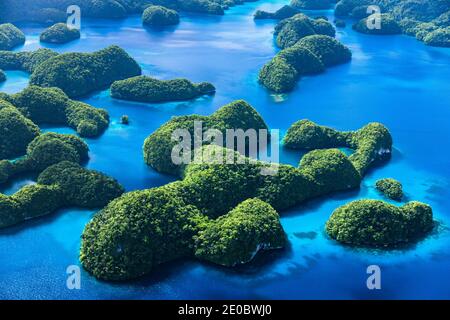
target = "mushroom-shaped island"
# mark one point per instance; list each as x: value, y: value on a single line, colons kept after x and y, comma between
x: 159, y: 16
x: 59, y: 33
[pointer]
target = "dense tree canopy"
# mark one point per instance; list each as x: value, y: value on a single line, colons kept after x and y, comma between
x: 63, y: 185
x: 157, y: 16
x: 212, y: 211
x: 374, y: 223
x: 282, y: 13
x: 158, y: 146
x: 147, y: 89
x: 310, y: 55
x: 388, y: 25
x: 236, y: 237
x: 289, y: 31
x: 391, y: 188
x: 10, y: 36
x: 52, y: 11
x: 427, y: 20
x: 25, y: 60
x: 371, y: 144
x: 59, y: 33
x: 16, y: 131
x: 52, y: 106
x: 78, y: 74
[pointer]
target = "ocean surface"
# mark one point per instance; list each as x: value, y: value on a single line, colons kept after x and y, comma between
x: 395, y: 80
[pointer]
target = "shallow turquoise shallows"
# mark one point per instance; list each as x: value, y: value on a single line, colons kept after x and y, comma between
x: 395, y: 80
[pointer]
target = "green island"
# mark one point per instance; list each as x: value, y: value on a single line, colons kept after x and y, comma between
x: 16, y: 131
x: 77, y: 74
x: 284, y: 12
x: 388, y: 26
x: 53, y: 106
x: 45, y: 11
x: 372, y: 144
x: 59, y: 33
x: 159, y: 145
x: 310, y: 55
x: 25, y: 60
x: 289, y: 31
x: 10, y: 36
x: 391, y: 188
x: 202, y: 215
x: 428, y: 21
x: 311, y: 4
x: 61, y: 183
x: 2, y: 76
x: 125, y: 120
x: 147, y: 89
x: 377, y: 224
x: 157, y: 16
x: 43, y: 151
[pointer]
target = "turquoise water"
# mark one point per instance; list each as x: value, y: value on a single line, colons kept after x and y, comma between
x: 395, y: 80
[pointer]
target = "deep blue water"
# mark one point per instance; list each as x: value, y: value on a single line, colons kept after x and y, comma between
x: 395, y: 80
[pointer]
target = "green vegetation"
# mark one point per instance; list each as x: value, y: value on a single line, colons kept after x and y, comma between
x: 2, y: 76
x: 81, y: 187
x: 222, y: 213
x: 160, y: 16
x: 62, y: 185
x: 391, y: 188
x: 372, y: 143
x: 426, y: 20
x: 62, y: 182
x: 289, y: 31
x: 124, y: 120
x: 25, y: 61
x: 282, y: 13
x: 438, y: 38
x: 147, y: 89
x: 16, y: 131
x: 52, y: 106
x: 132, y: 226
x: 44, y: 151
x: 388, y: 25
x: 236, y: 237
x: 52, y: 11
x: 138, y: 231
x: 158, y: 146
x: 374, y: 223
x: 51, y: 148
x: 59, y: 33
x: 308, y: 56
x: 330, y: 51
x: 10, y: 37
x: 311, y: 4
x: 78, y: 74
